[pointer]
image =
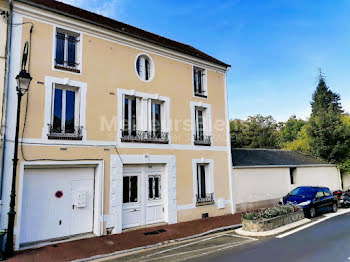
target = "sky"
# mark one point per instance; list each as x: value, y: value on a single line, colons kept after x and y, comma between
x: 275, y: 47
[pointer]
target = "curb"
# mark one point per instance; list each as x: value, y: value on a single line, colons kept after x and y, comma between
x: 212, y: 231
x: 275, y: 231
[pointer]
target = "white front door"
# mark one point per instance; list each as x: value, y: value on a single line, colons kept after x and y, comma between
x: 56, y: 203
x: 142, y: 196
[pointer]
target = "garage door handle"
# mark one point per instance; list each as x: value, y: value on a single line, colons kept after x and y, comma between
x: 135, y: 210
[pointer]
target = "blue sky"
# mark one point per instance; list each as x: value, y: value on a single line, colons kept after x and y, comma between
x: 275, y: 47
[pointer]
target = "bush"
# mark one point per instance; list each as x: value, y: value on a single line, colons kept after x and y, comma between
x: 272, y: 212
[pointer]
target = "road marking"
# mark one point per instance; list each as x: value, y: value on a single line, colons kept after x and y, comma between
x: 185, y: 245
x: 220, y: 249
x: 217, y: 248
x: 326, y: 217
x: 233, y: 235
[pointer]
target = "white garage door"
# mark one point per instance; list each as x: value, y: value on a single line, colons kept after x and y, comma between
x: 56, y: 203
x: 143, y: 201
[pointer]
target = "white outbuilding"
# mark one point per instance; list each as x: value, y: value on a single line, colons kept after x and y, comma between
x: 262, y: 176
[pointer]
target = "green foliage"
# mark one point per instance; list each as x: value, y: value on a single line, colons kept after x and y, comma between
x: 289, y: 131
x: 301, y: 143
x: 272, y: 212
x: 255, y: 132
x: 325, y: 135
x: 329, y: 135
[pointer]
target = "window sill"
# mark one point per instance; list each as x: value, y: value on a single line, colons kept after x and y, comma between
x: 69, y: 69
x: 200, y: 95
x: 209, y: 203
x: 55, y: 137
x: 200, y: 143
x: 125, y: 140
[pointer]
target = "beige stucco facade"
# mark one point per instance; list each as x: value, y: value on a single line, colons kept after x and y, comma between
x: 107, y: 69
x: 259, y: 187
x: 4, y: 6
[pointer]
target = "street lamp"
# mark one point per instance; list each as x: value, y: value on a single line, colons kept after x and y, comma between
x: 23, y: 82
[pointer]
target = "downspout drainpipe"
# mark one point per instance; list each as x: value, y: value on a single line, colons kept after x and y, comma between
x: 3, y: 123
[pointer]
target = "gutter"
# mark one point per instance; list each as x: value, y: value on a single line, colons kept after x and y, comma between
x: 119, y: 31
x: 5, y: 97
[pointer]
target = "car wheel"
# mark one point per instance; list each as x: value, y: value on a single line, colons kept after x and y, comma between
x: 312, y: 212
x: 334, y: 208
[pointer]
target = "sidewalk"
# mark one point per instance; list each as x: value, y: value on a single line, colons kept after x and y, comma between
x: 108, y: 244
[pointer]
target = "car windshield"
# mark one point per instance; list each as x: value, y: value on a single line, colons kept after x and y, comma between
x: 304, y: 192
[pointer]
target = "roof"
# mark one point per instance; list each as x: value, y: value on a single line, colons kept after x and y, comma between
x: 272, y: 157
x: 111, y: 24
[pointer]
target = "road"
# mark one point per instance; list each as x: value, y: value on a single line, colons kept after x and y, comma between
x: 328, y: 241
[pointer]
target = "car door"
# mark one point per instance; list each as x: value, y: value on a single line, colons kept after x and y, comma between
x: 328, y: 199
x: 319, y: 200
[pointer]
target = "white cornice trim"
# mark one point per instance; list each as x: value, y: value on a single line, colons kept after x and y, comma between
x: 98, y: 31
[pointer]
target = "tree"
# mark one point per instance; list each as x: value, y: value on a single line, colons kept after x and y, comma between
x: 255, y: 132
x: 238, y: 139
x: 330, y: 137
x: 301, y: 143
x: 289, y: 131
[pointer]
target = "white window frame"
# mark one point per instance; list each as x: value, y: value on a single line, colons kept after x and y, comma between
x: 209, y: 176
x: 152, y: 116
x: 76, y: 105
x: 154, y: 187
x: 78, y: 51
x: 143, y: 109
x: 204, y: 81
x: 206, y: 108
x: 129, y: 112
x: 80, y: 101
x: 142, y: 75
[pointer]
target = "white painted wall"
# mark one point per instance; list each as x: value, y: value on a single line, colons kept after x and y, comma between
x: 258, y: 184
x: 318, y: 176
x: 346, y: 181
x: 262, y: 185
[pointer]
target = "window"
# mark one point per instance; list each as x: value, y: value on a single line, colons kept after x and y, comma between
x: 292, y: 171
x: 143, y: 120
x: 203, y: 196
x: 130, y: 189
x: 154, y: 187
x: 319, y: 193
x: 156, y: 119
x: 130, y: 116
x: 327, y: 192
x: 199, y: 137
x: 65, y: 114
x: 199, y: 82
x: 303, y: 192
x: 66, y: 56
x: 144, y: 67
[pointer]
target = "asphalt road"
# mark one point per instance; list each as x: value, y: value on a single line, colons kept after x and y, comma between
x: 327, y: 241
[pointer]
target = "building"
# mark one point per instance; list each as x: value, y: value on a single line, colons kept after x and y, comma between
x: 346, y: 180
x: 4, y: 31
x: 262, y: 176
x: 122, y: 128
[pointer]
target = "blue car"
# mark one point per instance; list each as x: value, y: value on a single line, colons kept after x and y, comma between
x: 313, y: 200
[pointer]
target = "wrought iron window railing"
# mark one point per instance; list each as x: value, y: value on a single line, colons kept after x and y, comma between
x: 205, y: 199
x: 144, y: 136
x: 200, y: 93
x: 202, y: 140
x: 67, y: 65
x: 65, y: 134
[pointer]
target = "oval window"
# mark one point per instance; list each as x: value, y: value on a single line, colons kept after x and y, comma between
x: 144, y: 67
